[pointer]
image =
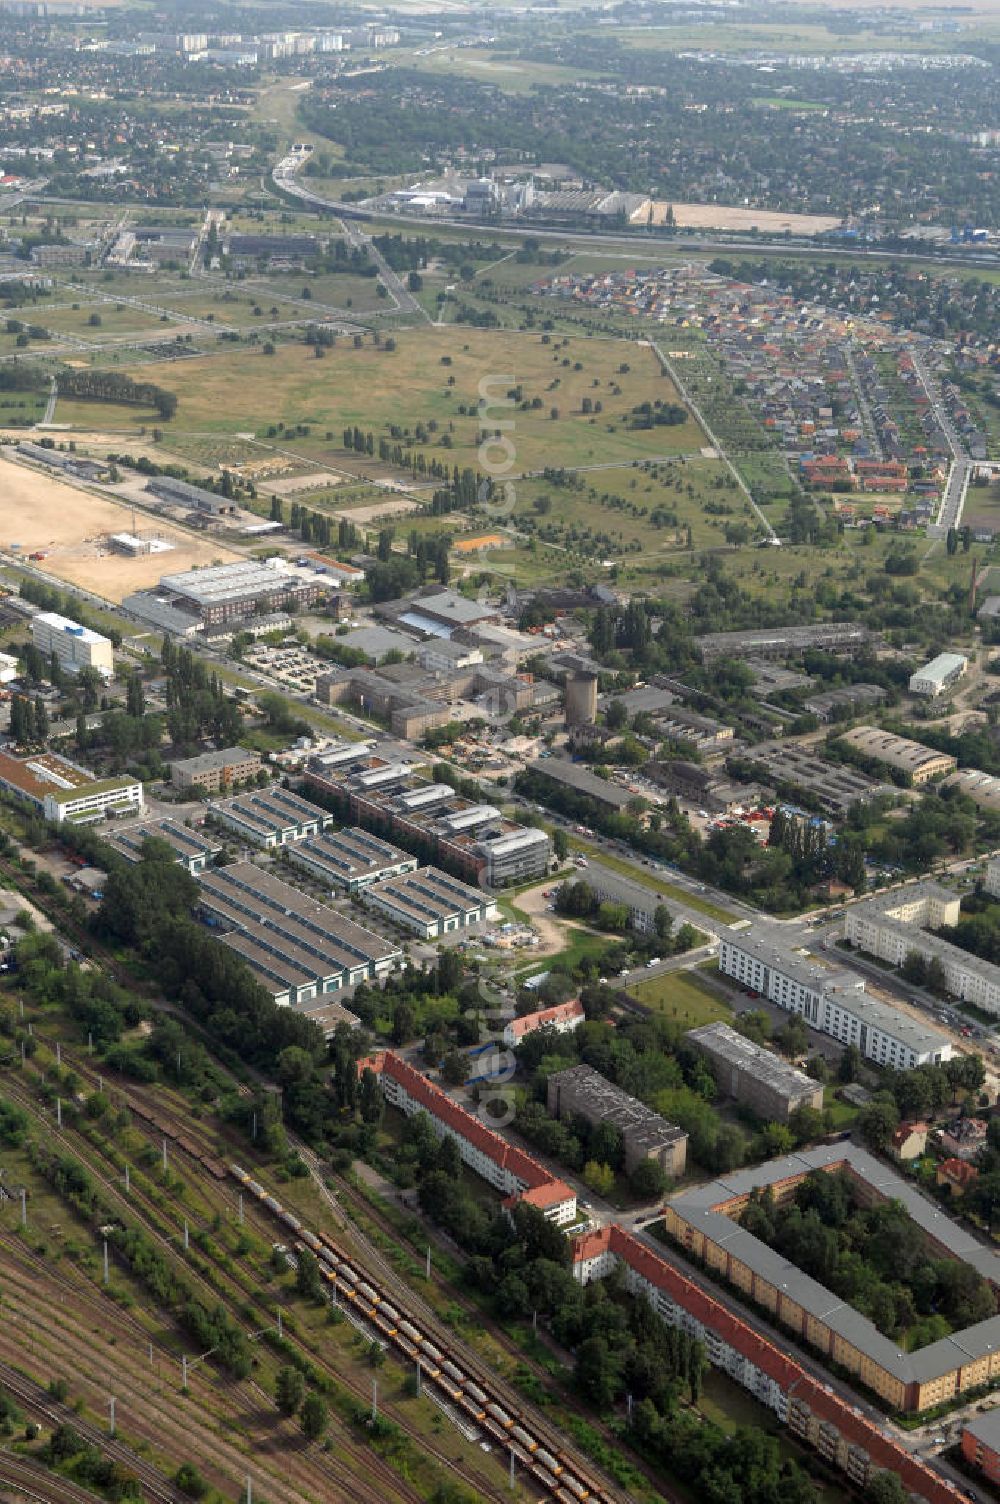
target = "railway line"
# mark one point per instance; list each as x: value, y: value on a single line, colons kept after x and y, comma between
x: 477, y: 1397
x: 26, y: 1479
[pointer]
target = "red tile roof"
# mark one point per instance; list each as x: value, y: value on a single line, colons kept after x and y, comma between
x: 557, y: 1014
x: 885, y: 1453
x: 544, y: 1188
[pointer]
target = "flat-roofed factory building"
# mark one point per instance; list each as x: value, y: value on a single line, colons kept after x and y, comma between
x: 430, y: 903
x: 271, y: 818
x: 192, y: 849
x: 757, y: 1077
x: 232, y: 592
x: 299, y: 949
x: 352, y: 859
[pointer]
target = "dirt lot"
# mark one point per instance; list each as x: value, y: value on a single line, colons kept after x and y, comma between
x: 390, y: 507
x: 42, y: 513
x: 722, y: 217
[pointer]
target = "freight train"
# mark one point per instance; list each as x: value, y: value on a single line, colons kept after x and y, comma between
x: 488, y: 1409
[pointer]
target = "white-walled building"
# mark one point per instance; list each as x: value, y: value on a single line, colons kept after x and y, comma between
x: 893, y: 925
x: 507, y: 1168
x: 938, y: 675
x: 74, y: 646
x: 834, y: 1002
x: 562, y: 1017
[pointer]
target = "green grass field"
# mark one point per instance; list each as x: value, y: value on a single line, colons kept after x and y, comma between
x: 246, y: 390
x: 683, y: 998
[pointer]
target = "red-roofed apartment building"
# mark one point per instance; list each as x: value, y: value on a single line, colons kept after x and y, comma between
x: 812, y: 1411
x: 563, y: 1017
x: 506, y: 1168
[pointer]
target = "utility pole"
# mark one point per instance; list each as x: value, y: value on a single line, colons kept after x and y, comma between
x: 164, y: 1154
x: 58, y: 1112
x: 187, y: 1241
x: 24, y: 1207
x: 374, y: 1400
x: 427, y: 1272
x: 241, y: 1209
x: 184, y: 1372
x: 512, y: 1469
x: 107, y: 1271
x: 418, y: 1378
x: 58, y: 1053
x: 128, y: 1184
x: 280, y: 1332
x: 111, y: 1404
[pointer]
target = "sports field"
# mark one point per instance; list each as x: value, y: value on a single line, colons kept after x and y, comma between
x: 41, y: 514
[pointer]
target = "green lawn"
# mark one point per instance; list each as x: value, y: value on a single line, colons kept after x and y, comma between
x: 683, y: 998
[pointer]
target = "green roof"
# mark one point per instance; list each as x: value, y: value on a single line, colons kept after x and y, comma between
x: 85, y: 790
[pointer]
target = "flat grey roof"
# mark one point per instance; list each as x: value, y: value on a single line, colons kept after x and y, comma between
x: 575, y: 776
x: 726, y: 1044
x: 697, y: 1206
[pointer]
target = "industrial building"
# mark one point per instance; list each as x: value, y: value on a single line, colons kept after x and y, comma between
x: 893, y: 925
x: 765, y: 964
x: 919, y: 763
x: 75, y: 647
x: 706, y: 788
x: 816, y: 1414
x: 383, y: 794
x: 982, y: 788
x: 299, y: 949
x: 430, y: 903
x: 68, y: 463
x: 573, y: 775
x: 227, y: 593
x: 754, y: 1076
x: 584, y: 1092
x: 561, y: 1018
x: 704, y: 1222
x: 180, y: 493
x: 271, y: 818
x: 351, y: 859
x: 938, y: 675
x: 785, y: 642
x: 65, y: 792
x: 828, y: 787
x: 415, y: 700
x: 213, y: 771
x: 838, y: 704
x: 508, y: 1169
x: 192, y: 850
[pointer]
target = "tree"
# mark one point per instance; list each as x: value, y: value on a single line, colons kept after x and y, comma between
x: 307, y: 1276
x: 135, y: 704
x: 884, y: 1487
x: 878, y: 1122
x: 851, y: 1064
x: 648, y: 1180
x: 454, y: 1068
x: 314, y: 1417
x: 289, y: 1389
x: 600, y: 1178
x: 560, y: 843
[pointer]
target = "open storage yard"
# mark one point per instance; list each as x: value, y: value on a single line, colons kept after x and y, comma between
x: 41, y: 514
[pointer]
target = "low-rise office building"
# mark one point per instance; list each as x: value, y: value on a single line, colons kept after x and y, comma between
x: 64, y: 792
x: 299, y: 949
x: 212, y: 772
x: 75, y: 647
x: 508, y: 1169
x: 763, y: 962
x: 430, y: 903
x: 584, y: 1092
x: 192, y: 849
x: 352, y: 859
x: 893, y: 925
x: 754, y: 1076
x: 938, y: 675
x: 642, y: 902
x: 271, y: 818
x: 919, y: 763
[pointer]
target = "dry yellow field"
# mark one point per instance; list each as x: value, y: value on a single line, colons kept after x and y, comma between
x: 39, y: 513
x: 722, y: 217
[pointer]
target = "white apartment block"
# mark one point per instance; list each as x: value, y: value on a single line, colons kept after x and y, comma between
x: 893, y: 925
x: 75, y: 647
x: 833, y: 1002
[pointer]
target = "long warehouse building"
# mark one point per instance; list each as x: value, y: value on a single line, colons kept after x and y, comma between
x: 351, y: 859
x: 300, y: 950
x: 271, y: 817
x: 764, y: 964
x: 431, y: 903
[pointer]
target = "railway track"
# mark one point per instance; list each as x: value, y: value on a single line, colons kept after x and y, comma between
x: 477, y: 1396
x: 390, y: 1482
x: 24, y: 1478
